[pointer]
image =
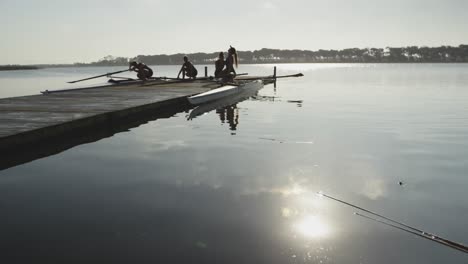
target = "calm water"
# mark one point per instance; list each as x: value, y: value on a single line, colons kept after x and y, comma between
x: 238, y: 185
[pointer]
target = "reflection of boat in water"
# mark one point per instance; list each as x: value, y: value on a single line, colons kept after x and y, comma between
x: 239, y: 94
x: 224, y: 91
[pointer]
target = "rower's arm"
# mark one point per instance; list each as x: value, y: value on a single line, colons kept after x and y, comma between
x: 178, y: 75
x: 181, y: 69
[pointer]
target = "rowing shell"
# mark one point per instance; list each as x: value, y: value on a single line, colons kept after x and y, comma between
x: 245, y: 94
x: 218, y: 93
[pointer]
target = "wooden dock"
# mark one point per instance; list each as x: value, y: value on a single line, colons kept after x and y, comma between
x: 40, y: 125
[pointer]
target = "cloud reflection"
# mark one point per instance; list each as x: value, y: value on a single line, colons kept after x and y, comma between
x: 370, y: 179
x: 374, y: 189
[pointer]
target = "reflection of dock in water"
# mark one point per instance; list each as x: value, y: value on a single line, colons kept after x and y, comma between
x: 54, y: 145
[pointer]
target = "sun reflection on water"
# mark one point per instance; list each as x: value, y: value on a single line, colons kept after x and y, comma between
x: 312, y: 226
x: 304, y: 210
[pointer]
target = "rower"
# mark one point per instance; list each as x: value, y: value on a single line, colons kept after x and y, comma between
x: 188, y: 69
x: 143, y: 71
x: 229, y: 72
x: 219, y: 65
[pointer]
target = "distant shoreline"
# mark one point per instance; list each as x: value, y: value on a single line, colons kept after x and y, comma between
x: 43, y: 66
x: 17, y: 67
x: 404, y: 55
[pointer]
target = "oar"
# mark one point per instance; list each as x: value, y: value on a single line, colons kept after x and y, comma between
x: 241, y: 74
x: 434, y: 239
x: 274, y: 77
x: 102, y: 75
x: 122, y: 78
x: 175, y: 80
x: 198, y: 78
x: 288, y: 76
x: 415, y: 230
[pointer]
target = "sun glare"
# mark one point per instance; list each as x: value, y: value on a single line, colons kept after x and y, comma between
x: 312, y: 227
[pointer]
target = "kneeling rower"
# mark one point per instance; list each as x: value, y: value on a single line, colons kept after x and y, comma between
x: 188, y: 69
x: 143, y: 71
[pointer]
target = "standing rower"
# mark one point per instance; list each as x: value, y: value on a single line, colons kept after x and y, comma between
x: 143, y: 71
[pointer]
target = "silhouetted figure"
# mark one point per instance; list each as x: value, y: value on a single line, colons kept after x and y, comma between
x: 188, y: 69
x: 229, y: 114
x: 219, y: 65
x: 229, y: 72
x: 143, y: 72
x: 222, y: 114
x: 232, y: 115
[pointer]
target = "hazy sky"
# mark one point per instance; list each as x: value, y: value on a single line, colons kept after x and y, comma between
x: 64, y: 31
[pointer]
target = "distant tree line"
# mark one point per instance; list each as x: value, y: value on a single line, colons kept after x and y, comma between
x: 17, y: 67
x: 409, y: 54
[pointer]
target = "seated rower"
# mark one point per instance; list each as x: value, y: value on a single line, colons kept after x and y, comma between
x: 219, y: 65
x: 143, y: 72
x: 229, y: 72
x: 188, y: 69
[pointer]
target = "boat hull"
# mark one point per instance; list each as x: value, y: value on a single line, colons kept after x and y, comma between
x: 222, y: 92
